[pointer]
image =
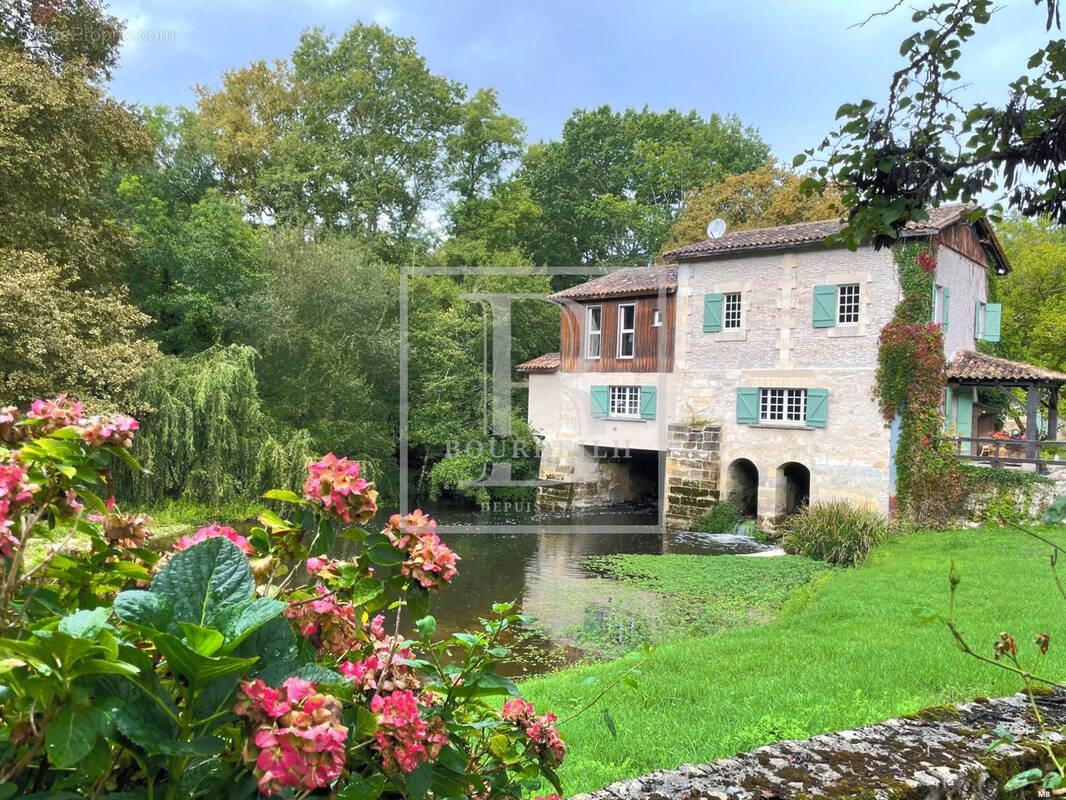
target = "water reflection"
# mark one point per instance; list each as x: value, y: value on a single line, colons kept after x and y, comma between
x: 542, y: 572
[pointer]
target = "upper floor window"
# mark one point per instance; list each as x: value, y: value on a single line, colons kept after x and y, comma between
x: 657, y: 318
x: 627, y: 327
x: 595, y: 332
x: 783, y: 405
x: 625, y: 401
x: 848, y: 304
x: 731, y: 311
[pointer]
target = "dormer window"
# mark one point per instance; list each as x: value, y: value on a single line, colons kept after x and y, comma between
x: 594, y: 339
x: 627, y: 330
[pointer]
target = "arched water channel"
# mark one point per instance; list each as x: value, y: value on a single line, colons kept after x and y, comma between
x: 541, y: 570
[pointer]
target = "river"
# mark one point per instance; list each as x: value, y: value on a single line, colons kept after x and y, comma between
x: 518, y: 554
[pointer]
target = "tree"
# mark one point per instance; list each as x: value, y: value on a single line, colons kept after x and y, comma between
x: 763, y: 198
x: 924, y: 145
x: 1034, y: 294
x: 56, y: 337
x: 350, y: 136
x: 611, y: 188
x: 486, y: 142
x: 65, y: 326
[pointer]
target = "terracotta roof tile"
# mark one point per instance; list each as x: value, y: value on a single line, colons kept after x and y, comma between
x: 809, y: 233
x: 968, y: 365
x: 628, y: 282
x: 549, y: 362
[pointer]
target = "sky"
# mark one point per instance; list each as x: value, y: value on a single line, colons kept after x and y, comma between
x: 783, y: 66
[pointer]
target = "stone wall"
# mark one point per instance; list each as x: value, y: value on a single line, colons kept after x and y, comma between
x: 692, y: 472
x: 586, y: 476
x: 933, y: 755
x: 1023, y: 500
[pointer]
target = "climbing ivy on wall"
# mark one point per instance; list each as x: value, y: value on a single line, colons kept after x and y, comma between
x: 204, y: 436
x: 910, y: 383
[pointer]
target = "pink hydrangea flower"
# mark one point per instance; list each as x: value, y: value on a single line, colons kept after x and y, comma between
x: 541, y: 732
x: 299, y: 738
x: 56, y: 414
x: 331, y: 625
x: 211, y: 532
x: 16, y: 492
x: 334, y: 483
x: 403, y: 739
x: 378, y: 670
x: 116, y: 430
x: 429, y: 561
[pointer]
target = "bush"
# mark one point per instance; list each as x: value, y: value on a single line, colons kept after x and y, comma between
x: 834, y: 532
x: 723, y: 518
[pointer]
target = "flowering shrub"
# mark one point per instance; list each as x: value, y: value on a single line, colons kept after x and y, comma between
x: 238, y: 666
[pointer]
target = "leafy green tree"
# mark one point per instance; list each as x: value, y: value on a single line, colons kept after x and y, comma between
x: 351, y: 136
x: 613, y: 186
x: 57, y: 337
x: 763, y: 198
x: 926, y: 143
x: 325, y: 327
x: 1034, y: 294
x: 65, y: 327
x: 485, y: 144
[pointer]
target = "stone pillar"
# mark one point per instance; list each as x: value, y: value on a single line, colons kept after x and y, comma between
x: 692, y: 473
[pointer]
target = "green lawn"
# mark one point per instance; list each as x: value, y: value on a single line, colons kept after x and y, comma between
x: 847, y: 650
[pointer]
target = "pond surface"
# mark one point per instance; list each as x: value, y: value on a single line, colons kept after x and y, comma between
x: 540, y: 569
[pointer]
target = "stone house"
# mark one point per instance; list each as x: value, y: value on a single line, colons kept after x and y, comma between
x: 745, y: 369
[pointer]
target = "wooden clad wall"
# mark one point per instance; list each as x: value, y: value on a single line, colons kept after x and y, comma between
x: 962, y: 238
x: 646, y: 349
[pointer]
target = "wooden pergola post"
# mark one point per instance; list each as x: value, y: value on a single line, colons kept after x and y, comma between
x: 1032, y: 411
x: 1053, y: 412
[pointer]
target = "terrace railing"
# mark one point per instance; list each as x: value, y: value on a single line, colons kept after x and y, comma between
x: 1039, y: 454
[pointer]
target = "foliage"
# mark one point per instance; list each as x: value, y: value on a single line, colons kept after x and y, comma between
x: 62, y: 135
x: 56, y: 337
x: 57, y: 34
x: 723, y: 518
x: 852, y: 654
x: 763, y: 198
x: 612, y: 186
x: 927, y: 143
x: 486, y: 142
x: 205, y: 672
x: 205, y: 437
x: 909, y: 385
x: 1006, y: 495
x: 1034, y: 305
x: 835, y: 531
x: 350, y: 136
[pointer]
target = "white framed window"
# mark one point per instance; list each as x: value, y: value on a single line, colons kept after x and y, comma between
x: 979, y: 320
x: 624, y: 401
x: 657, y: 318
x: 848, y: 304
x: 731, y: 311
x: 627, y: 330
x: 938, y: 303
x: 783, y: 406
x: 594, y: 329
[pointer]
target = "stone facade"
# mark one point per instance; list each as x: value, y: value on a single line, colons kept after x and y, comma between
x: 692, y: 465
x: 574, y: 475
x: 933, y: 755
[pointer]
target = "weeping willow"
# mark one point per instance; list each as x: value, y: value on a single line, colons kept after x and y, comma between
x: 204, y: 436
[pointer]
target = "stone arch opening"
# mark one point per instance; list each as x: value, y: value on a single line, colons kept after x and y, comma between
x: 743, y: 492
x: 793, y: 488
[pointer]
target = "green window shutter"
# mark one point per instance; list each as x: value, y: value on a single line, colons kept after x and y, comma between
x: 712, y: 313
x: 949, y: 404
x: 600, y: 403
x: 947, y: 307
x: 964, y: 415
x: 825, y: 306
x: 647, y: 402
x: 976, y: 319
x: 993, y: 315
x: 817, y: 407
x: 747, y: 405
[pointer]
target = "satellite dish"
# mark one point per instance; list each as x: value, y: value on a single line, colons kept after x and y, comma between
x: 716, y: 228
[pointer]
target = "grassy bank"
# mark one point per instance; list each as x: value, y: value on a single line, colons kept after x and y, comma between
x: 846, y: 651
